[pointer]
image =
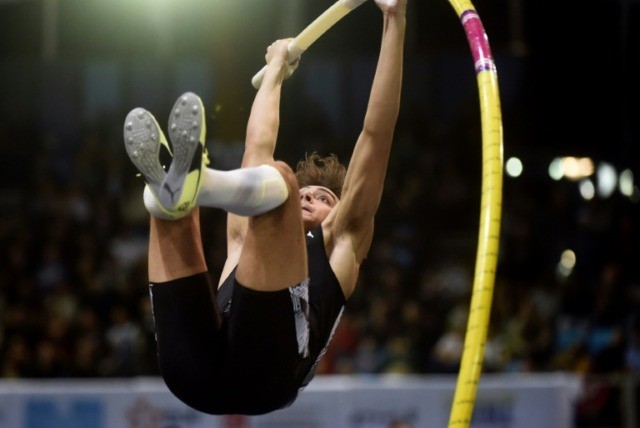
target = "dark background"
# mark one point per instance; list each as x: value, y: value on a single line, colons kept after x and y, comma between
x: 573, y: 87
x: 73, y: 295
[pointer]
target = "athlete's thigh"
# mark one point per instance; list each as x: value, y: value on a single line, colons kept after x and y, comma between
x: 274, y: 254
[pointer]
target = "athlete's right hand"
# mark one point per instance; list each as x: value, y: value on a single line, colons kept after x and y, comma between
x: 392, y: 7
x: 278, y: 54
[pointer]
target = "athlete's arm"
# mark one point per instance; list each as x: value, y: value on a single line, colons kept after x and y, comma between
x: 364, y: 181
x: 261, y: 136
x: 264, y: 119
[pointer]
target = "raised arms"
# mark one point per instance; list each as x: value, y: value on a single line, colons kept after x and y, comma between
x: 364, y: 181
x: 264, y: 120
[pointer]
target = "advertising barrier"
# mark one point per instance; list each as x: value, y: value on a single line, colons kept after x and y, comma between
x: 503, y: 401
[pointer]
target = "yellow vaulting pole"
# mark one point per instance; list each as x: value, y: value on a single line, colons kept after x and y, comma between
x: 490, y: 215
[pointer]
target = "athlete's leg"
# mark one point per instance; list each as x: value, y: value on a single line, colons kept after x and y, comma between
x: 274, y: 253
x: 186, y: 316
x: 172, y: 194
x: 245, y: 191
x: 175, y: 248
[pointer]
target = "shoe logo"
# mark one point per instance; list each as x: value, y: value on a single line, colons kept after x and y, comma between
x: 184, y: 207
x: 171, y: 191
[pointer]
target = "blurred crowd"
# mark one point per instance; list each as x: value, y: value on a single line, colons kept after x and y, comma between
x: 73, y: 282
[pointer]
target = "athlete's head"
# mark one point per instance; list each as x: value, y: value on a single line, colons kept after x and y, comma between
x: 320, y: 180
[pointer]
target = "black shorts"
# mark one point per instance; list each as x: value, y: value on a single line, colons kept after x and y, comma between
x: 247, y: 357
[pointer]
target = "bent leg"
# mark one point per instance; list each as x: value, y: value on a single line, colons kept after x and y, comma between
x: 274, y: 254
x: 185, y: 312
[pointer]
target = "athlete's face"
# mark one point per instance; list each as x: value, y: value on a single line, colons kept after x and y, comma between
x: 316, y: 202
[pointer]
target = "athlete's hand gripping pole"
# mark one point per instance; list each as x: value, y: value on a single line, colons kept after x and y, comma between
x: 312, y: 32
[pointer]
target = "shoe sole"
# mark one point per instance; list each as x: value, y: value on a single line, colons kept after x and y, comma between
x: 187, y: 130
x: 143, y: 138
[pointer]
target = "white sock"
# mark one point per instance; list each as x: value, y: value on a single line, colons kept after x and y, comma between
x: 246, y: 191
x: 151, y: 204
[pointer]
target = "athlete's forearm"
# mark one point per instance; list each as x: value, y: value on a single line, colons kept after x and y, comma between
x: 384, y: 100
x: 264, y: 120
x: 362, y: 190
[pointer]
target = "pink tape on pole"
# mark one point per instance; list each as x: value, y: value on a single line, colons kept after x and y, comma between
x: 477, y: 38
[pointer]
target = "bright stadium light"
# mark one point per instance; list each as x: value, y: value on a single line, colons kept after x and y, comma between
x: 577, y: 168
x: 587, y: 189
x: 566, y: 264
x: 607, y: 179
x: 625, y: 182
x: 555, y: 169
x: 514, y: 167
x: 571, y: 167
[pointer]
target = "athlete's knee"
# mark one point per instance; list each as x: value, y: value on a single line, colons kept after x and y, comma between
x: 272, y: 187
x: 288, y: 176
